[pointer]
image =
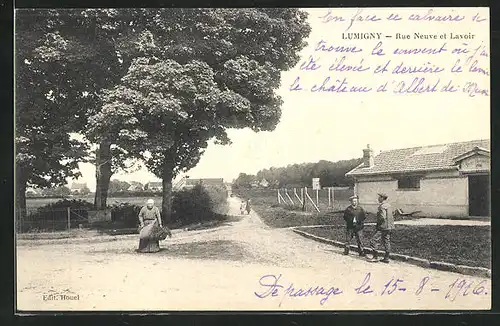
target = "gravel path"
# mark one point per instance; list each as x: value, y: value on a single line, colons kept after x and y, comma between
x: 232, y: 267
x: 437, y: 221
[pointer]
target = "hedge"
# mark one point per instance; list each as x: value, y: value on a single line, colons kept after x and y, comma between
x: 199, y: 204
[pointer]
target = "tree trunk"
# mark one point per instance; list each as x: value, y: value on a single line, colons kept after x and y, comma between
x: 21, y: 185
x: 103, y: 174
x: 167, y: 193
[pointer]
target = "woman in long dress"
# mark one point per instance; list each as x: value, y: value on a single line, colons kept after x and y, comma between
x: 149, y: 214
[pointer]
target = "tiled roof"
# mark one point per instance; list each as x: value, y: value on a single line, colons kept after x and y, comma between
x: 425, y: 158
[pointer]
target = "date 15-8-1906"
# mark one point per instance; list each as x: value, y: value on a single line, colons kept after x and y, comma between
x: 271, y: 287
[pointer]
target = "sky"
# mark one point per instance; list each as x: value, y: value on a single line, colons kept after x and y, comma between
x: 337, y: 126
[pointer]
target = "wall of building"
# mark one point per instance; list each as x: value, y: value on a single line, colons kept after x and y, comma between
x: 443, y: 194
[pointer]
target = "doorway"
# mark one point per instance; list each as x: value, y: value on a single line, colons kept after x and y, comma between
x: 479, y: 195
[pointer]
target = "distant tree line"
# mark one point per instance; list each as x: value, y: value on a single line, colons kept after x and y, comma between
x: 331, y: 174
x: 58, y: 192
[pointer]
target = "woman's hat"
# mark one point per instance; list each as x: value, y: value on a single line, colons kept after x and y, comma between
x: 150, y: 201
x: 353, y: 197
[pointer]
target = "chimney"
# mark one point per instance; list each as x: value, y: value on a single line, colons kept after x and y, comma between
x: 368, y: 157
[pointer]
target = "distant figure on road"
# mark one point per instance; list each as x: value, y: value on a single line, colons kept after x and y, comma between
x: 385, y: 225
x: 149, y: 214
x: 248, y: 206
x: 243, y: 207
x: 354, y: 216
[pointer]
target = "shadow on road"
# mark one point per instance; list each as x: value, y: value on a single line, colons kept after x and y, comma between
x: 209, y: 250
x: 205, y: 250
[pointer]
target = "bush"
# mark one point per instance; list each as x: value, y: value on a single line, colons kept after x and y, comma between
x: 218, y: 197
x: 125, y: 214
x: 193, y: 205
x: 201, y: 203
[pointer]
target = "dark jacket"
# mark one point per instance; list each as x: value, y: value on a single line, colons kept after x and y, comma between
x: 385, y: 217
x: 350, y: 213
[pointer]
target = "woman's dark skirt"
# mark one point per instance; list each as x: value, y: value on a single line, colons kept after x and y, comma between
x: 146, y: 245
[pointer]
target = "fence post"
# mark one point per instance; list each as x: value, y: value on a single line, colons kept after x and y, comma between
x: 303, y: 199
x: 333, y: 198
x: 311, y: 200
x: 69, y: 219
x: 289, y: 198
x: 329, y: 198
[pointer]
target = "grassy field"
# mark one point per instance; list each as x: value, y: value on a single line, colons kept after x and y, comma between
x: 269, y: 197
x: 34, y: 203
x: 463, y: 245
x: 265, y: 203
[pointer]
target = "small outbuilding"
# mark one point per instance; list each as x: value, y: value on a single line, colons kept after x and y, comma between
x: 448, y: 180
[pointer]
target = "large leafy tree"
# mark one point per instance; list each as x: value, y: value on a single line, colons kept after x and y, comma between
x: 244, y: 181
x: 197, y: 73
x: 45, y: 111
x: 73, y: 55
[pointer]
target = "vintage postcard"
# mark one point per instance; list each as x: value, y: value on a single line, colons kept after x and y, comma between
x: 277, y: 159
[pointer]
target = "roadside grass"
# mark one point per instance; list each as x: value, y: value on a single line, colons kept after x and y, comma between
x: 264, y: 202
x: 462, y: 245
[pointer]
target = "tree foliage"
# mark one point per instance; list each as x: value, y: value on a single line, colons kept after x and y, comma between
x: 118, y: 186
x: 244, y: 180
x: 64, y: 59
x: 45, y: 111
x: 331, y: 174
x: 158, y: 84
x: 56, y: 192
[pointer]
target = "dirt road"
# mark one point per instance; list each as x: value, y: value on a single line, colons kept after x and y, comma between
x: 242, y: 265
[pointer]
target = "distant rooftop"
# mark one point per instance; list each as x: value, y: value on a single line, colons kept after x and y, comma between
x: 76, y: 185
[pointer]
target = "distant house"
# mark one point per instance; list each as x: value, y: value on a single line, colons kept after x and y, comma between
x: 135, y: 186
x: 154, y: 186
x: 449, y: 180
x: 187, y: 183
x: 79, y: 188
x: 264, y: 183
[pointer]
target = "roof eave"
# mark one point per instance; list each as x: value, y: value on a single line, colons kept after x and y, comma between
x: 397, y: 172
x: 475, y: 151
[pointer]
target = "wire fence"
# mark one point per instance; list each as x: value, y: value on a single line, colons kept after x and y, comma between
x: 308, y: 199
x: 52, y: 219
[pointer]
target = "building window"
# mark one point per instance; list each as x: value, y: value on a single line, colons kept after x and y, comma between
x: 411, y: 183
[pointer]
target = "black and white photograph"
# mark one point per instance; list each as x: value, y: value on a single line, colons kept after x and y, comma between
x: 252, y: 159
